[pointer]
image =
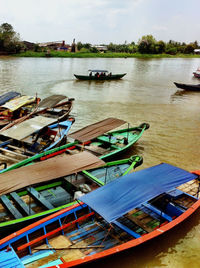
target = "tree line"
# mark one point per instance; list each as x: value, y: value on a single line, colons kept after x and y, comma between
x: 10, y: 43
x: 147, y: 45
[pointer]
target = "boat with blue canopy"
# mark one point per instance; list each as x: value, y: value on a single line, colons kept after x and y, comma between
x: 99, y: 75
x: 121, y: 215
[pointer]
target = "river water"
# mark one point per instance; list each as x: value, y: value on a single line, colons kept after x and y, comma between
x: 145, y: 94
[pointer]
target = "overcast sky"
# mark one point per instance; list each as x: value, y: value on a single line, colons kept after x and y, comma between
x: 102, y: 21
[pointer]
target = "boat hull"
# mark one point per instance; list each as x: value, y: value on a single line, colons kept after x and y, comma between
x: 188, y: 86
x: 100, y: 78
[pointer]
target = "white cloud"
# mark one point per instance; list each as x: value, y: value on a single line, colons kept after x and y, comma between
x: 101, y: 21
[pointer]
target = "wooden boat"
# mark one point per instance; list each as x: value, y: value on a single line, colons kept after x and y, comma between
x: 53, y: 185
x: 57, y: 107
x: 189, y: 87
x: 197, y: 73
x: 93, y: 138
x: 121, y: 215
x: 16, y: 107
x: 32, y: 136
x: 99, y: 75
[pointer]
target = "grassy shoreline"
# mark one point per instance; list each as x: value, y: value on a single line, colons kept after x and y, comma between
x: 63, y: 54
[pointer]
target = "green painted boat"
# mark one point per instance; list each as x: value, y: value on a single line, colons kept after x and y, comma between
x: 53, y: 185
x: 95, y: 139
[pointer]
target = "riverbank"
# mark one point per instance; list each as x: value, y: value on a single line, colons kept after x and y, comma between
x: 63, y: 54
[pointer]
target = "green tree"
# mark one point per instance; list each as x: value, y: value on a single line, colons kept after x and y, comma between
x: 79, y: 45
x: 147, y: 44
x: 189, y: 48
x: 9, y: 39
x: 160, y: 47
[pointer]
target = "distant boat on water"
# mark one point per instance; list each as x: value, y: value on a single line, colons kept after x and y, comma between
x: 99, y: 75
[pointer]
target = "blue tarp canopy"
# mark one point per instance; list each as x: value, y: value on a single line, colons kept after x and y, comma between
x: 8, y: 96
x: 126, y: 193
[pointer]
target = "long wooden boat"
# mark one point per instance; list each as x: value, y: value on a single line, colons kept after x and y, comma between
x: 189, y: 87
x: 99, y: 75
x: 32, y: 136
x: 57, y: 107
x: 116, y: 217
x: 16, y: 107
x: 95, y: 138
x: 53, y: 185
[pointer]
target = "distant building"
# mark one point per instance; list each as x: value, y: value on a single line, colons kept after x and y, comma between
x: 101, y: 48
x: 28, y: 45
x: 197, y: 51
x: 56, y: 45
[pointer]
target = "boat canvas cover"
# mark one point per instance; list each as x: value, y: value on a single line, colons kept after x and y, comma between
x: 51, y: 101
x: 8, y: 96
x: 28, y: 127
x: 126, y: 193
x: 15, y: 104
x: 47, y: 170
x: 92, y: 131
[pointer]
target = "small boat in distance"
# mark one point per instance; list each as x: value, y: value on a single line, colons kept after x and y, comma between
x: 118, y: 216
x: 197, y: 73
x: 99, y: 75
x: 189, y: 87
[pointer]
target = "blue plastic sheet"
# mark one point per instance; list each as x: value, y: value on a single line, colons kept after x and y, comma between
x: 8, y: 96
x: 126, y: 193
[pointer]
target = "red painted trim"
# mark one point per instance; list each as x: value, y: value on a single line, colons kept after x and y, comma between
x: 7, y: 238
x: 56, y: 153
x: 197, y: 172
x: 134, y: 242
x: 54, y: 231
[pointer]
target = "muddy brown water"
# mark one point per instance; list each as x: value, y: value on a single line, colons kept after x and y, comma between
x: 145, y: 94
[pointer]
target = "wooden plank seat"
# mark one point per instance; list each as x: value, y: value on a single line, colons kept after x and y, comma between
x: 139, y: 223
x: 9, y: 206
x: 38, y: 197
x: 22, y: 204
x: 34, y: 241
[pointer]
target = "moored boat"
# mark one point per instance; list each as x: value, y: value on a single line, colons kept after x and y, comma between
x: 95, y: 138
x: 99, y: 75
x: 116, y: 217
x: 32, y: 136
x: 16, y: 108
x: 189, y: 87
x: 57, y: 107
x: 53, y: 185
